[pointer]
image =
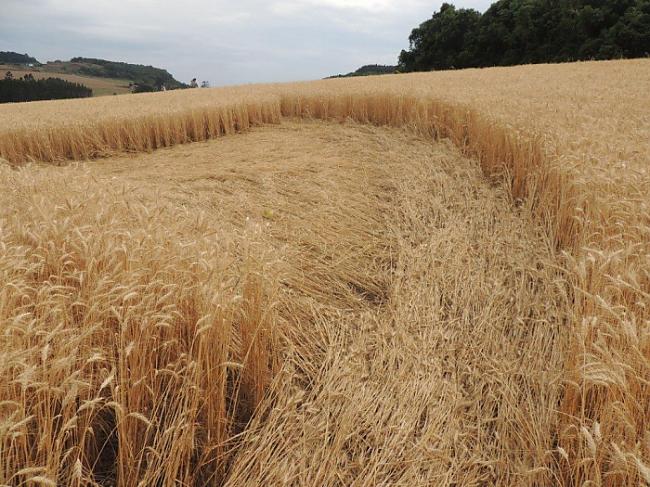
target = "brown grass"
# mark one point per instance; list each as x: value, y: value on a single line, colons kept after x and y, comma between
x: 572, y: 141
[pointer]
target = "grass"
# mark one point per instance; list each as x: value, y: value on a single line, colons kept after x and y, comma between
x: 571, y: 142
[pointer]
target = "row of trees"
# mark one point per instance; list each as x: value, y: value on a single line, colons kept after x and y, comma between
x: 28, y: 88
x: 9, y: 57
x: 529, y: 31
x: 369, y: 70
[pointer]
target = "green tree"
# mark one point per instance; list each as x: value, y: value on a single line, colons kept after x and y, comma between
x: 631, y: 33
x: 442, y: 42
x: 529, y: 31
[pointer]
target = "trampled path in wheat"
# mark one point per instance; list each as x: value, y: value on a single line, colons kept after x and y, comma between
x: 422, y: 317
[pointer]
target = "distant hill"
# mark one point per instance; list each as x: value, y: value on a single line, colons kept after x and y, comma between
x: 101, y: 76
x: 368, y: 70
x: 99, y: 86
x: 137, y: 74
x: 8, y: 57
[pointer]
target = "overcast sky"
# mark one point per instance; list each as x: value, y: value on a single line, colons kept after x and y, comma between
x: 223, y: 41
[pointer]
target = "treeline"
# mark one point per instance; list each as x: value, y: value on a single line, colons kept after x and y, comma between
x: 30, y: 89
x: 529, y: 31
x: 146, y: 76
x: 369, y: 70
x: 8, y: 57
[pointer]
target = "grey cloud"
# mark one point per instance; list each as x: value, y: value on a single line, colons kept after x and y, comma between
x: 221, y: 41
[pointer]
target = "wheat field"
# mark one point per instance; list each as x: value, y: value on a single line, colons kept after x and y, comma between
x: 427, y: 279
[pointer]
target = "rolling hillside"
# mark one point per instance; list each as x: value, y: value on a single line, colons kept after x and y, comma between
x: 136, y: 73
x: 102, y: 76
x: 100, y: 86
